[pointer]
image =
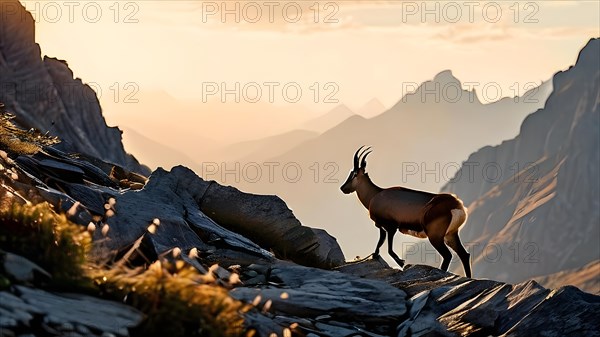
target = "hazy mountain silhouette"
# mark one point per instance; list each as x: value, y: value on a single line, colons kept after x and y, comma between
x: 260, y: 150
x: 543, y: 210
x: 371, y: 109
x: 263, y: 149
x: 153, y: 153
x: 416, y: 131
x: 329, y: 119
x: 196, y: 128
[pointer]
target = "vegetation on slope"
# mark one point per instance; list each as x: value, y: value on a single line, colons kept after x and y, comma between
x: 175, y: 298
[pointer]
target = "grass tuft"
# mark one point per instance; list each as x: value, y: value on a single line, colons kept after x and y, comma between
x: 39, y: 234
x: 16, y: 141
x: 176, y: 299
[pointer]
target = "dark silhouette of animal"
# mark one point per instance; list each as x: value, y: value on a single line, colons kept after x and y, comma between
x: 437, y: 217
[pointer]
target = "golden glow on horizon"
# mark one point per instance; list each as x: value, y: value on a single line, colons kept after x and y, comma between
x: 369, y: 49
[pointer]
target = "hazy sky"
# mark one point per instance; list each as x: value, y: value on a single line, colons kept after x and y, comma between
x: 355, y: 50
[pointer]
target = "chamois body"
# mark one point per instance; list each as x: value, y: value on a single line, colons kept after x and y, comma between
x: 437, y: 217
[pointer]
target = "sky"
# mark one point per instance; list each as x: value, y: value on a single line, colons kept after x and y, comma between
x: 317, y: 54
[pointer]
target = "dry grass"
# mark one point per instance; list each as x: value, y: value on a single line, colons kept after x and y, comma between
x: 176, y: 299
x: 14, y: 140
x: 49, y: 239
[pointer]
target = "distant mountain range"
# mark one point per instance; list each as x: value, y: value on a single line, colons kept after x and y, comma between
x: 161, y: 155
x: 329, y: 120
x: 534, y: 200
x: 416, y: 134
x: 197, y: 128
x: 371, y: 109
x: 340, y: 113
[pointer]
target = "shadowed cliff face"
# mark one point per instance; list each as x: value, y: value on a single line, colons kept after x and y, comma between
x: 544, y: 209
x: 43, y: 94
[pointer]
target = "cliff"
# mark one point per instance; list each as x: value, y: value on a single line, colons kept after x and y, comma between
x: 43, y: 93
x: 536, y: 197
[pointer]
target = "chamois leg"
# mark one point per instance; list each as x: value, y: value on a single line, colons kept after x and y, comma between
x: 398, y: 260
x: 380, y: 242
x: 454, y: 242
x: 436, y: 230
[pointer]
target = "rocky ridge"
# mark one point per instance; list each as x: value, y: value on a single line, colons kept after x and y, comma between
x: 178, y: 210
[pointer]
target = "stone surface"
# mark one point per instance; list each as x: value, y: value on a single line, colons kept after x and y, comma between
x: 445, y: 304
x: 328, y: 302
x: 62, y: 313
x: 269, y: 222
x: 21, y: 269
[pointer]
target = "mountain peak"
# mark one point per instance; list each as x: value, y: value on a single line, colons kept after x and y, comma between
x: 445, y: 77
x: 371, y: 109
x: 589, y: 53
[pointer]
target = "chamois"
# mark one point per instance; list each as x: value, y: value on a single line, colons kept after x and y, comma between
x: 437, y: 217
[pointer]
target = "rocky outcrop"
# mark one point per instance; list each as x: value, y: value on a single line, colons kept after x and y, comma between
x: 43, y: 93
x: 186, y: 211
x: 534, y: 200
x: 365, y: 298
x: 444, y: 304
x: 326, y: 303
x: 269, y: 222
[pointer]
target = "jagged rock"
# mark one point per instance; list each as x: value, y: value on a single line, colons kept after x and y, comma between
x: 44, y: 95
x: 63, y: 312
x: 329, y: 302
x: 564, y: 312
x: 328, y: 250
x: 181, y: 223
x: 264, y: 219
x: 80, y: 188
x: 21, y: 269
x: 444, y: 303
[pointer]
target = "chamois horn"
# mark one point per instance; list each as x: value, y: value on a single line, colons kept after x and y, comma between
x: 356, y: 158
x: 363, y: 163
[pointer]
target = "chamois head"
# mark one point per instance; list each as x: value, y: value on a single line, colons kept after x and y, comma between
x: 357, y: 172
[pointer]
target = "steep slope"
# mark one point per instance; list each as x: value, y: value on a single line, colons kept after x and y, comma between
x: 535, y: 199
x: 585, y: 278
x: 43, y: 94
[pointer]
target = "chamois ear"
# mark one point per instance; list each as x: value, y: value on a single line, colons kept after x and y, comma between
x: 363, y: 163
